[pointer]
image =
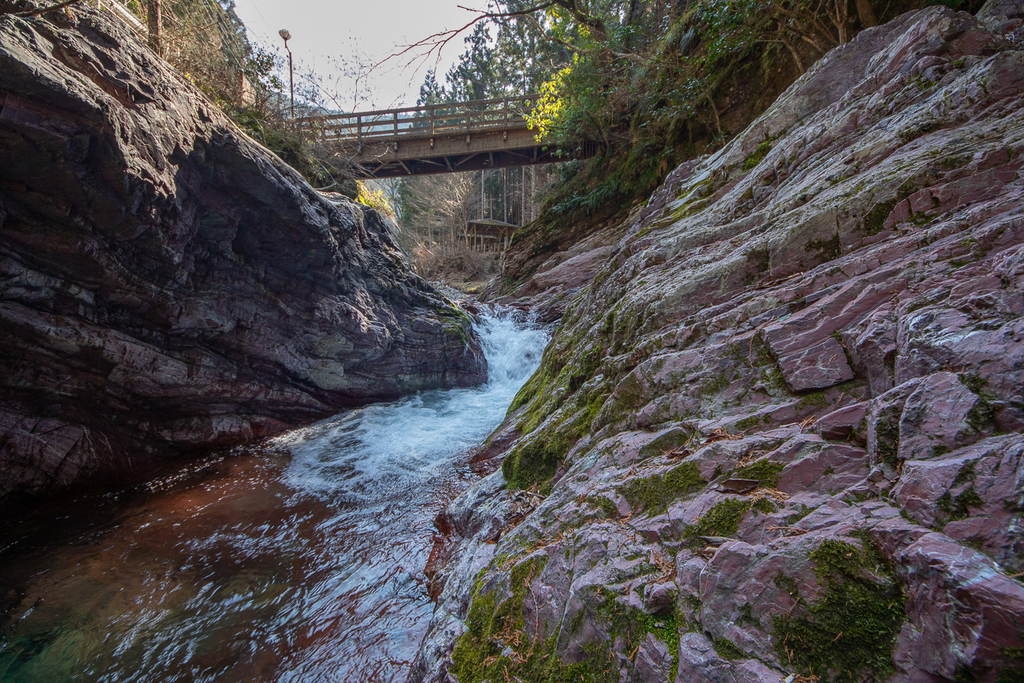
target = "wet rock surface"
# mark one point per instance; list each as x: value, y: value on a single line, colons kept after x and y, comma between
x: 166, y: 283
x: 840, y: 324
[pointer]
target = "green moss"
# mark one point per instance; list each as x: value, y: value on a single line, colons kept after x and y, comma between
x: 726, y: 649
x: 721, y: 520
x: 799, y: 514
x: 874, y: 221
x: 494, y: 644
x: 770, y: 374
x: 850, y: 632
x: 887, y: 436
x: 715, y: 385
x: 534, y: 462
x: 923, y: 128
x: 817, y: 399
x: 965, y: 473
x: 973, y: 382
x: 606, y: 506
x: 826, y: 250
x: 749, y: 422
x: 787, y: 584
x: 1009, y: 675
x: 757, y: 156
x: 981, y: 416
x: 669, y: 441
x: 653, y: 494
x: 764, y: 506
x: 633, y: 625
x: 959, y: 507
x: 765, y: 471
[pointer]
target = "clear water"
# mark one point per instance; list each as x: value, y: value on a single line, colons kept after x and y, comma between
x: 301, y: 561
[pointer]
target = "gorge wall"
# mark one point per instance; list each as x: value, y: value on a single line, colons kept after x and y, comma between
x: 778, y: 434
x: 168, y: 284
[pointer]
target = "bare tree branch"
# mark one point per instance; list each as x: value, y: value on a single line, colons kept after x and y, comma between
x: 44, y: 10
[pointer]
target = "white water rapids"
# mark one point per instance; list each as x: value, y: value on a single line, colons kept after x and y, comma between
x: 301, y: 562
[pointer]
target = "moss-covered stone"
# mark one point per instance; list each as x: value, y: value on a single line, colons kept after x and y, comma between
x: 874, y: 221
x: 633, y: 625
x: 727, y: 649
x: 653, y: 494
x: 757, y: 156
x: 959, y: 507
x: 887, y: 436
x: 533, y: 462
x: 851, y: 631
x: 721, y: 520
x: 765, y: 471
x: 826, y: 250
x: 495, y: 646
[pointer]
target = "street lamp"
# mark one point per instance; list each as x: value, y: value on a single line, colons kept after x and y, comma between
x: 291, y: 71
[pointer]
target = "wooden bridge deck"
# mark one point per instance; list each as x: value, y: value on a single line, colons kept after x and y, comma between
x: 440, y: 138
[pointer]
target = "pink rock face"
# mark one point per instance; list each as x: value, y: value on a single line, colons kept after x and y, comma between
x: 940, y: 415
x: 166, y: 284
x: 843, y: 424
x: 819, y: 367
x: 844, y: 324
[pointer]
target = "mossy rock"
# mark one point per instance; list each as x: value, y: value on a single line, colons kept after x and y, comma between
x: 654, y: 494
x: 849, y: 634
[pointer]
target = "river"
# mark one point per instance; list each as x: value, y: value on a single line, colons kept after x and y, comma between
x: 300, y: 560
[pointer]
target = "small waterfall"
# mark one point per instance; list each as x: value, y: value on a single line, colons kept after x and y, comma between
x: 354, y: 454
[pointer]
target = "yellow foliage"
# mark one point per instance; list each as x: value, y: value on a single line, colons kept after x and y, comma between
x: 374, y: 199
x: 551, y: 105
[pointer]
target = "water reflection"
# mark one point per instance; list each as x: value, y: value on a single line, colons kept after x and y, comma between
x: 299, y: 562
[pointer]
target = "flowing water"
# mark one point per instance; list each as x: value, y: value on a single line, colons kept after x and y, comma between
x: 300, y: 561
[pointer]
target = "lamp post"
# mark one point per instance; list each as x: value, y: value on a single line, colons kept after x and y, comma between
x: 291, y: 72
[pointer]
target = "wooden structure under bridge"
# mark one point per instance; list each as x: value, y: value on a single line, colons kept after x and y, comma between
x: 437, y: 138
x: 489, y: 236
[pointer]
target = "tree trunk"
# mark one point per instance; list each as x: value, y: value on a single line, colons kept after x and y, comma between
x: 866, y: 14
x: 153, y: 19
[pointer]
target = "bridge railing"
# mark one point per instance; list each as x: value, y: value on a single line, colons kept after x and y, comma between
x: 470, y: 118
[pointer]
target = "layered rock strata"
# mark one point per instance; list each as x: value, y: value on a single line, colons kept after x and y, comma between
x: 166, y: 283
x: 780, y: 434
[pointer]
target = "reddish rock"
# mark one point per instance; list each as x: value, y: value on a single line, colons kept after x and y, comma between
x: 819, y: 367
x: 940, y: 415
x: 844, y: 424
x: 974, y: 494
x: 869, y: 270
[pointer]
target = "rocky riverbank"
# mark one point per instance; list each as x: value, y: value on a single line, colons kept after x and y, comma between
x: 167, y: 284
x: 779, y: 431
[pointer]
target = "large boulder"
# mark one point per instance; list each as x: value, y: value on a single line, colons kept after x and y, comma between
x: 168, y: 284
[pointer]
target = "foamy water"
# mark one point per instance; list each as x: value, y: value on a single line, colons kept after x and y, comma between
x: 358, y: 453
x: 303, y: 563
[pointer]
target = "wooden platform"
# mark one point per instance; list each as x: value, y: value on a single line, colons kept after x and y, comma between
x: 442, y: 138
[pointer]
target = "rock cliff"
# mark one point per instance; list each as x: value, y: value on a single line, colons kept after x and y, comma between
x: 166, y: 283
x: 779, y: 435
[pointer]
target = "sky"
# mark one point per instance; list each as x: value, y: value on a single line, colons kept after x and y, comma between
x: 337, y: 39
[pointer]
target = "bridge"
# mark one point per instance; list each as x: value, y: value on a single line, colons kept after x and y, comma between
x: 436, y: 138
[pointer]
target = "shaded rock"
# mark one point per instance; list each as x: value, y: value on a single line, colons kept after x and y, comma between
x: 166, y: 283
x: 843, y: 424
x: 883, y: 422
